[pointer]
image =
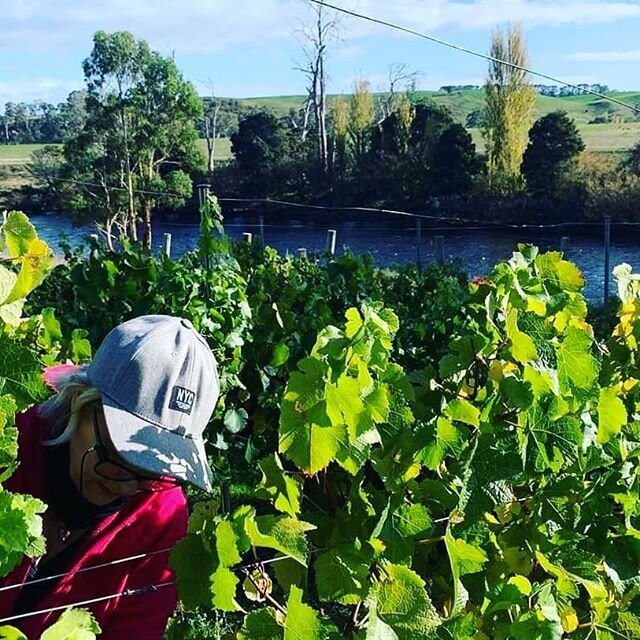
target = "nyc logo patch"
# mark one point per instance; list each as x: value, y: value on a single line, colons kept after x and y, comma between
x: 182, y: 400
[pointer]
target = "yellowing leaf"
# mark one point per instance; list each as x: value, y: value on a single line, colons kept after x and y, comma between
x: 522, y: 584
x: 523, y: 347
x: 569, y: 619
x: 612, y: 414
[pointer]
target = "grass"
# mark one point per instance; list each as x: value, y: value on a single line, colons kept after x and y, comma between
x: 583, y: 108
x: 17, y: 154
x: 223, y: 148
x: 20, y: 154
x: 609, y: 138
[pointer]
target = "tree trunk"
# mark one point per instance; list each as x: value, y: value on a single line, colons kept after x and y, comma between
x: 146, y: 239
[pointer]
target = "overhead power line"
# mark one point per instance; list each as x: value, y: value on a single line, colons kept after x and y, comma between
x: 471, y: 52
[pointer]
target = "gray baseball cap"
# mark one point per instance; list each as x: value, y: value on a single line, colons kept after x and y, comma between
x: 159, y: 387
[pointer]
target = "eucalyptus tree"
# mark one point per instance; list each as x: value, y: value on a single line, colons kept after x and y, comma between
x: 139, y: 139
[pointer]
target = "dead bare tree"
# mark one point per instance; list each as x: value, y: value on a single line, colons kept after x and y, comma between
x: 314, y: 39
x: 400, y: 79
x: 211, y: 111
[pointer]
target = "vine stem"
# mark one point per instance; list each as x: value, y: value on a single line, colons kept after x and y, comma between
x: 352, y: 623
x: 267, y: 596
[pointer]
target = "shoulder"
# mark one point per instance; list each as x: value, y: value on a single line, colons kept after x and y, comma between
x: 162, y: 515
x: 33, y: 429
x: 31, y: 420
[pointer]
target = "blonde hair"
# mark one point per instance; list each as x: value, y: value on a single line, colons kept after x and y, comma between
x: 65, y: 410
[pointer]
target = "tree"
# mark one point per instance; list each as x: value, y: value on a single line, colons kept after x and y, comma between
x: 315, y: 38
x: 361, y: 115
x: 263, y: 147
x: 211, y: 113
x: 554, y: 142
x: 400, y: 79
x: 455, y: 161
x: 508, y: 111
x: 340, y: 136
x: 631, y: 163
x: 139, y: 137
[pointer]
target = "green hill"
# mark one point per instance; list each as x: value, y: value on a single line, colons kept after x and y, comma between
x: 583, y: 108
x: 604, y: 125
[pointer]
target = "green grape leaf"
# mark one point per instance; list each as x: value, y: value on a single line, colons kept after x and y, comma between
x: 400, y: 602
x: 523, y: 347
x: 20, y: 529
x: 235, y: 420
x: 342, y: 574
x: 310, y: 446
x: 7, y: 282
x: 354, y: 322
x: 400, y: 526
x: 533, y: 625
x: 463, y: 556
x: 562, y: 273
x: 263, y: 624
x: 280, y: 355
x: 223, y: 589
x: 463, y: 411
x: 280, y: 533
x: 80, y: 346
x: 11, y: 313
x: 73, y: 624
x: 464, y: 559
x: 20, y: 373
x: 283, y: 489
x: 36, y: 263
x: 19, y: 233
x: 302, y: 622
x: 612, y: 414
x: 343, y: 401
x: 289, y: 572
x: 194, y: 565
x: 227, y: 544
x: 576, y: 365
x: 306, y: 387
x: 11, y: 633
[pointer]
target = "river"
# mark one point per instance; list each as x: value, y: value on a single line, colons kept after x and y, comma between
x: 394, y: 240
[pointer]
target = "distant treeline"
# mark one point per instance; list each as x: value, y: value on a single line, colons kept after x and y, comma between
x: 543, y: 89
x: 46, y: 123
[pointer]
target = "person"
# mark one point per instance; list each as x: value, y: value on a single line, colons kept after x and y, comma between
x: 108, y: 454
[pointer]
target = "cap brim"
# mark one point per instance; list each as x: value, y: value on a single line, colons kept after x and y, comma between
x: 156, y: 450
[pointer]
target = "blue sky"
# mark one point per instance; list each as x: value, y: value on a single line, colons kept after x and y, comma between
x: 250, y: 48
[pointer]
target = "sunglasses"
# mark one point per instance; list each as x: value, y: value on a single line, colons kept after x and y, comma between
x: 114, y: 471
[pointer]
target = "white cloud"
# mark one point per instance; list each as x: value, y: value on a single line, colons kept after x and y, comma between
x: 213, y: 25
x: 606, y: 56
x: 432, y: 16
x: 45, y: 89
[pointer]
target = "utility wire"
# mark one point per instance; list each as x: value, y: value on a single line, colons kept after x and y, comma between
x: 406, y: 214
x: 139, y: 556
x: 451, y: 45
x: 122, y: 594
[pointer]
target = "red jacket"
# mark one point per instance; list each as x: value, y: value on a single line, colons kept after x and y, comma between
x: 146, y: 523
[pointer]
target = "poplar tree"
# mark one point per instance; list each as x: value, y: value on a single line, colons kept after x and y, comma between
x: 362, y: 114
x: 509, y: 109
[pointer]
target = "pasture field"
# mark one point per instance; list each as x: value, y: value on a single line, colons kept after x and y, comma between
x: 20, y: 154
x: 223, y: 148
x: 17, y: 154
x: 605, y: 138
x: 583, y: 108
